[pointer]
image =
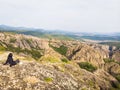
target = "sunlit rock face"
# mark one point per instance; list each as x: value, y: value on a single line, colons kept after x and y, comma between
x: 37, y: 76
x: 23, y: 41
x: 57, y: 68
x: 82, y: 52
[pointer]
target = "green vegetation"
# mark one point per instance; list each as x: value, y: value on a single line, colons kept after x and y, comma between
x: 50, y: 59
x: 115, y: 86
x: 107, y: 60
x: 117, y: 44
x: 48, y: 79
x: 42, y: 34
x: 91, y: 83
x: 118, y: 77
x: 2, y: 48
x: 87, y: 66
x: 62, y: 49
x: 62, y: 37
x: 34, y: 53
x: 118, y: 63
x: 64, y: 60
x: 28, y: 41
x: 12, y: 40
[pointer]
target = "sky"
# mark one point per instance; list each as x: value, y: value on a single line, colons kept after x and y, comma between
x: 68, y: 15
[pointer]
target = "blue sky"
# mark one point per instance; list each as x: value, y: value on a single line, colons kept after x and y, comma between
x: 69, y: 15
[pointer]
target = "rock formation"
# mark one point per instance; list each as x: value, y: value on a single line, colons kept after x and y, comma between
x: 56, y: 66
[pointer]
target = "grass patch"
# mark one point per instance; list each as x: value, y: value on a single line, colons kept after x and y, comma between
x: 107, y: 60
x: 2, y: 48
x: 65, y: 60
x: 91, y: 83
x: 50, y: 59
x: 48, y: 79
x: 87, y: 66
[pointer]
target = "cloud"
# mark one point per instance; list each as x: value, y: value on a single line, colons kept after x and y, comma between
x: 77, y: 15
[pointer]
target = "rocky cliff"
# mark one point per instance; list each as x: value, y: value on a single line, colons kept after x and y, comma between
x: 116, y: 55
x: 56, y: 65
x: 42, y: 76
x: 83, y: 52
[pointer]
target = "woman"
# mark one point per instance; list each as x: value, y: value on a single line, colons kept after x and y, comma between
x: 10, y: 60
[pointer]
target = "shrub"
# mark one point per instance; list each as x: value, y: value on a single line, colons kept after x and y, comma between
x: 35, y: 53
x: 115, y: 86
x: 118, y: 77
x: 62, y: 49
x: 107, y: 60
x: 12, y: 40
x: 64, y: 60
x: 87, y: 66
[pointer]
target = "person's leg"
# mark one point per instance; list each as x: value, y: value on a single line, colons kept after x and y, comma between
x: 13, y: 63
x: 17, y: 61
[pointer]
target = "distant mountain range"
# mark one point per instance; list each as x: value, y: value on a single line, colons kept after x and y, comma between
x: 59, y: 34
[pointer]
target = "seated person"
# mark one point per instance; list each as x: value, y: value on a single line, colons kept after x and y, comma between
x: 10, y: 60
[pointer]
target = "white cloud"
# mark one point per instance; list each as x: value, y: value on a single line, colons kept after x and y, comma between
x: 79, y: 15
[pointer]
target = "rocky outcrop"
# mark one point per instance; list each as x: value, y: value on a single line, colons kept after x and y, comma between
x: 25, y: 44
x: 37, y: 76
x: 82, y: 52
x: 57, y: 67
x: 113, y: 68
x: 23, y: 41
x: 75, y: 50
x: 116, y: 55
x: 34, y: 76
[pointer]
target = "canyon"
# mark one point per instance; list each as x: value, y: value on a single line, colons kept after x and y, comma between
x: 53, y: 64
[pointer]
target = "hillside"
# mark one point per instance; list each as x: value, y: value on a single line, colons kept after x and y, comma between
x: 115, y: 51
x: 37, y: 32
x: 62, y: 35
x: 56, y: 64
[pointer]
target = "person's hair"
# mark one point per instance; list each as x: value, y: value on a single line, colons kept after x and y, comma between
x: 10, y: 55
